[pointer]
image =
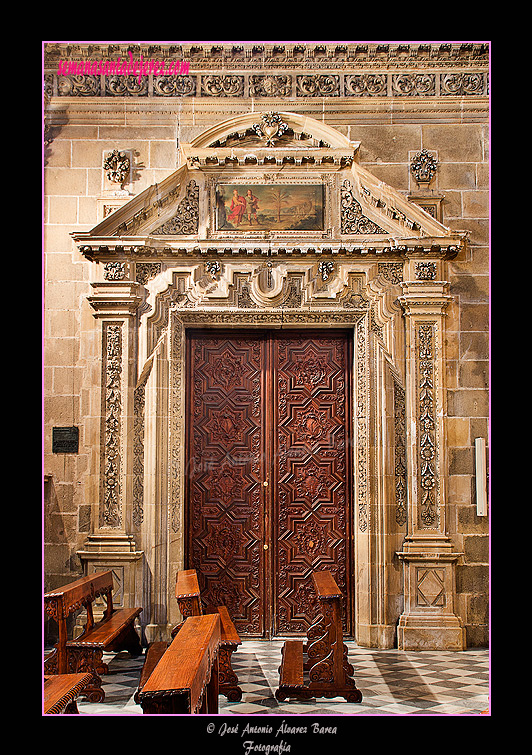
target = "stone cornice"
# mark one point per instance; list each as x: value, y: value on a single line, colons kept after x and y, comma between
x: 272, y: 55
x: 137, y: 248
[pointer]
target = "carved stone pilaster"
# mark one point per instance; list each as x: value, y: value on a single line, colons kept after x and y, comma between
x: 111, y: 544
x: 428, y: 620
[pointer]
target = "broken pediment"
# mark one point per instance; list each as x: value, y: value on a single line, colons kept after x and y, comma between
x: 269, y: 178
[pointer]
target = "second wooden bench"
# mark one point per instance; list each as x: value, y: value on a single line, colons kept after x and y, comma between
x: 184, y: 678
x: 319, y: 667
x: 188, y: 597
x: 115, y: 631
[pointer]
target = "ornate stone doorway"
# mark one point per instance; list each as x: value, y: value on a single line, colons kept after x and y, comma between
x: 268, y: 482
x: 349, y: 252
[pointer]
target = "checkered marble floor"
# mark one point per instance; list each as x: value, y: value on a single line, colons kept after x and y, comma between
x: 392, y: 682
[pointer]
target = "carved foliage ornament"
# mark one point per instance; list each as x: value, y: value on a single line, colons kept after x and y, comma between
x: 353, y: 219
x: 427, y: 427
x: 270, y: 128
x: 110, y: 514
x: 116, y: 166
x: 423, y: 166
x: 186, y: 219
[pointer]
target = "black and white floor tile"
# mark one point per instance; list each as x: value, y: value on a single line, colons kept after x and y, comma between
x: 392, y: 682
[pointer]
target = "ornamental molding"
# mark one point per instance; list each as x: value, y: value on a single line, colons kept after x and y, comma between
x: 177, y: 217
x: 274, y: 54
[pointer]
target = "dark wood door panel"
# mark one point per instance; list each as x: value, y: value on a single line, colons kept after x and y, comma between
x: 226, y: 470
x: 311, y: 481
x: 268, y: 483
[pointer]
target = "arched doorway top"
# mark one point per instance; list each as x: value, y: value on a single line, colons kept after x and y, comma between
x: 263, y: 123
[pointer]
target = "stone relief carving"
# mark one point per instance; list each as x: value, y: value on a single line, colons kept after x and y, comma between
x: 126, y: 86
x: 270, y: 128
x: 270, y: 86
x: 414, y: 84
x: 325, y: 268
x: 423, y: 166
x: 367, y: 84
x: 400, y: 452
x: 111, y: 509
x: 115, y: 271
x: 186, y: 219
x: 427, y: 427
x: 139, y: 400
x: 425, y: 271
x: 353, y: 221
x: 222, y: 86
x: 362, y: 423
x: 318, y: 85
x: 174, y: 86
x: 391, y: 271
x: 146, y: 271
x: 117, y: 166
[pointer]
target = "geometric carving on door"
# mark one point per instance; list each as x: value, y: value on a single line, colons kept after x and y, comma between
x: 269, y: 487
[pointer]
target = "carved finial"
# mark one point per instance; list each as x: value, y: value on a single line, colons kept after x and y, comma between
x: 271, y: 127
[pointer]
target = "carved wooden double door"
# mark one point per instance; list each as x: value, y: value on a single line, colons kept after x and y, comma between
x: 268, y: 483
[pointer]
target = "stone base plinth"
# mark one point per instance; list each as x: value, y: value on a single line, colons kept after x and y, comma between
x: 421, y: 632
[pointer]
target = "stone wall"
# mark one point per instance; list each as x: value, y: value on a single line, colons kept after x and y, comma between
x: 440, y: 105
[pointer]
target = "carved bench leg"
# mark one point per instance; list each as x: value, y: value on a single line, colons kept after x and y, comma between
x: 228, y: 680
x: 89, y: 660
x: 131, y: 642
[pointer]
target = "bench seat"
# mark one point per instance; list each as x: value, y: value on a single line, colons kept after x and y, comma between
x: 108, y: 632
x: 60, y: 692
x: 291, y: 674
x: 189, y: 601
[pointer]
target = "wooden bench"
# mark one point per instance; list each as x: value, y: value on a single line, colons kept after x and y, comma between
x: 115, y: 631
x: 60, y: 692
x: 319, y: 667
x: 189, y: 601
x: 185, y: 677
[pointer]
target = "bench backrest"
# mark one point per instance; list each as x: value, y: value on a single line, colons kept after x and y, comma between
x: 187, y: 593
x: 63, y: 601
x: 325, y: 585
x: 187, y: 664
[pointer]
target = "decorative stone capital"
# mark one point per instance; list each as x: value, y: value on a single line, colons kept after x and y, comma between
x: 424, y: 297
x: 117, y: 298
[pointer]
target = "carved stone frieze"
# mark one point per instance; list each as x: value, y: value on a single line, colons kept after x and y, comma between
x: 263, y: 85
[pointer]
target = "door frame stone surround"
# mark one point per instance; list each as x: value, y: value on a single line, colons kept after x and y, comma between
x: 145, y: 298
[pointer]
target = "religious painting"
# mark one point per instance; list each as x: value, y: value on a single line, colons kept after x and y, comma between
x: 269, y: 208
